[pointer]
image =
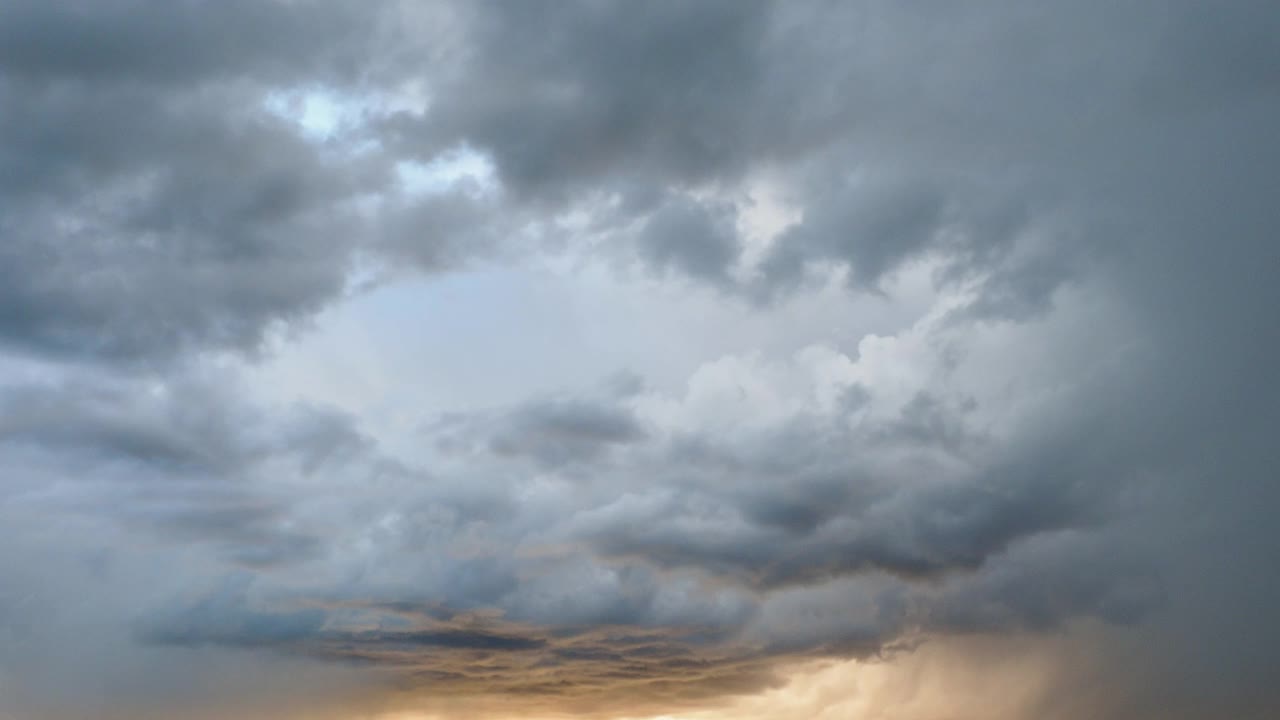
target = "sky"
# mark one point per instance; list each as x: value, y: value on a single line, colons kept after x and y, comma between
x: 678, y: 359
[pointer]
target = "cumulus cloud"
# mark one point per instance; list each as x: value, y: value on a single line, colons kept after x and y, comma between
x: 1054, y: 442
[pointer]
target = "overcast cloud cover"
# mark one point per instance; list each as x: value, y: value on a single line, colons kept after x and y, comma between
x: 904, y: 360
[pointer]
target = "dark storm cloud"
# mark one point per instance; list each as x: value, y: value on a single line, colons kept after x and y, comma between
x: 801, y: 503
x: 576, y: 102
x: 1094, y: 184
x: 1126, y: 148
x: 574, y: 94
x: 151, y: 205
x: 633, y: 114
x: 1046, y: 582
x: 154, y: 207
x: 132, y: 41
x: 213, y: 234
x: 791, y: 510
x: 690, y: 238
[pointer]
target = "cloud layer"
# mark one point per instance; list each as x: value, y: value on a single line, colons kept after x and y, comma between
x: 621, y: 358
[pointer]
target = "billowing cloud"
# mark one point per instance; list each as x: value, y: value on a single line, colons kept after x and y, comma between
x: 636, y: 359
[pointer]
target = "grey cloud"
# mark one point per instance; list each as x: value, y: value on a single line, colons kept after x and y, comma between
x: 467, y: 655
x: 152, y: 205
x: 804, y: 511
x: 801, y: 503
x: 877, y: 227
x: 1023, y: 287
x: 440, y: 232
x: 188, y: 428
x: 181, y: 460
x: 1118, y: 159
x: 691, y: 238
x: 448, y: 639
x: 655, y: 91
x: 926, y: 421
x: 189, y: 235
x: 225, y: 617
x: 606, y: 112
x: 247, y: 531
x: 131, y: 41
x: 556, y: 432
x: 552, y: 432
x: 190, y: 424
x: 1048, y: 581
x: 203, y: 241
x: 922, y: 534
x: 321, y: 437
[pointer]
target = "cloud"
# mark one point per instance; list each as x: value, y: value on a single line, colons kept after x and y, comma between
x: 1056, y: 444
x: 554, y: 433
x: 223, y: 618
x: 153, y: 206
